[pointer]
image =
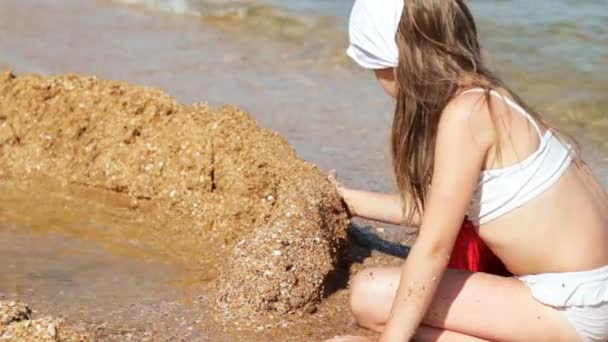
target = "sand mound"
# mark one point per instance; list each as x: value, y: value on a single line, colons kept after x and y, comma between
x: 16, y: 324
x: 239, y: 184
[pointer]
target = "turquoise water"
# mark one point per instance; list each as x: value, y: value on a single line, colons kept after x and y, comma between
x: 566, y: 32
x: 520, y: 36
x: 553, y: 53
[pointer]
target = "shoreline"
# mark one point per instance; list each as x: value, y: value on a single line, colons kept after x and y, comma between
x: 310, y: 102
x: 270, y: 223
x: 79, y: 264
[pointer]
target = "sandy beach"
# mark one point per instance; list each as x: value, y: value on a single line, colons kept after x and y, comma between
x: 80, y: 241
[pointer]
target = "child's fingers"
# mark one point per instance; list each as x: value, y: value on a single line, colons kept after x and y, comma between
x: 332, y: 175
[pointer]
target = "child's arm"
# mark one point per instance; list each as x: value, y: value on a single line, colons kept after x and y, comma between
x: 370, y: 205
x: 376, y: 206
x: 463, y: 139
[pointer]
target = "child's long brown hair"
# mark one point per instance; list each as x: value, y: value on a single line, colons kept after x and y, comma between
x: 439, y: 55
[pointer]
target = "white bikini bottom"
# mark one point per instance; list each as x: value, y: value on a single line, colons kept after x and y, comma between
x: 582, y: 296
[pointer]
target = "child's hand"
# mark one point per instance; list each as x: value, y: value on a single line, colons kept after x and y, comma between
x: 342, y: 191
x: 333, y: 179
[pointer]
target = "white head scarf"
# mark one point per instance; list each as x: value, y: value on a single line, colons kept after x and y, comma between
x: 372, y: 28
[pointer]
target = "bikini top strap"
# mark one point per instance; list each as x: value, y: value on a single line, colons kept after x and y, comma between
x: 512, y: 104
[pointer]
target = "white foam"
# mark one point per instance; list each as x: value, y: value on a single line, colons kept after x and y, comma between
x: 175, y: 6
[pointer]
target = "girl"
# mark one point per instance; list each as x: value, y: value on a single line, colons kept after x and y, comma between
x: 464, y: 144
x: 372, y: 35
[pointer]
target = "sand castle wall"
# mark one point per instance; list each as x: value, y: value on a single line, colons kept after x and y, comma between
x: 243, y: 186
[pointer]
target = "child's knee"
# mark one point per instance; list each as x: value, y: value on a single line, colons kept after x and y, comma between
x: 362, y: 299
x: 357, y: 290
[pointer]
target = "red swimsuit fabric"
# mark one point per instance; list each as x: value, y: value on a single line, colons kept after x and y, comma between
x: 471, y: 253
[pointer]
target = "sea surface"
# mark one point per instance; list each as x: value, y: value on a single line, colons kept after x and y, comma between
x: 563, y: 40
x: 553, y: 53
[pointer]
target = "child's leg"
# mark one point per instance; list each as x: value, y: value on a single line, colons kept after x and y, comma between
x: 430, y: 334
x: 475, y: 304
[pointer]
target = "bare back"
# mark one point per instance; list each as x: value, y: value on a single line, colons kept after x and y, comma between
x: 564, y: 229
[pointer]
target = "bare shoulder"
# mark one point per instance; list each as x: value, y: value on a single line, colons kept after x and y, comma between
x: 470, y: 115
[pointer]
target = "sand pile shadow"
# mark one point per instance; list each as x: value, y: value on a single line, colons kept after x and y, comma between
x: 232, y: 181
x: 16, y: 324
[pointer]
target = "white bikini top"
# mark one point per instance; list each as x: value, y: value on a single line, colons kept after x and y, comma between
x: 500, y: 191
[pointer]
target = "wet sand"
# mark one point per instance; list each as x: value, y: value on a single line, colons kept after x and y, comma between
x: 84, y: 256
x: 309, y: 103
x: 320, y: 324
x: 203, y: 174
x: 79, y: 255
x: 17, y: 324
